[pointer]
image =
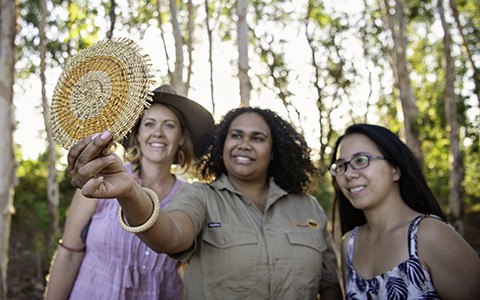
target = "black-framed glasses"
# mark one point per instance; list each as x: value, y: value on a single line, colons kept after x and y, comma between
x: 357, y: 163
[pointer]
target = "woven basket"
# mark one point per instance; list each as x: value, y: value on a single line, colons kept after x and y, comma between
x: 106, y: 86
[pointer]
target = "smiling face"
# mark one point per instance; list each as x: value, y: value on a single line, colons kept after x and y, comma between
x: 369, y: 187
x: 247, y: 149
x: 160, y: 135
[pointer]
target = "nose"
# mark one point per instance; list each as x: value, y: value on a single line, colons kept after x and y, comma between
x: 158, y: 131
x: 350, y: 172
x: 244, y: 144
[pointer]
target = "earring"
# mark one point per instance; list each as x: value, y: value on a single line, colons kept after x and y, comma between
x: 132, y: 154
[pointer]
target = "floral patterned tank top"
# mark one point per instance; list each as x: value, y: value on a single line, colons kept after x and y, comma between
x: 408, y: 280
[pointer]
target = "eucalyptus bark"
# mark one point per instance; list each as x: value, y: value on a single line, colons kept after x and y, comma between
x: 8, y: 31
x: 455, y: 155
x: 466, y: 48
x: 52, y: 185
x: 210, y: 53
x: 396, y: 23
x: 113, y: 16
x: 242, y: 43
x: 177, y: 74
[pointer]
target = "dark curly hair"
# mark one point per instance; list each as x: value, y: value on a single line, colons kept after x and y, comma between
x: 413, y: 186
x: 291, y: 166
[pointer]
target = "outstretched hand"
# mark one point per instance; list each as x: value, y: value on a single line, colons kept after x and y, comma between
x: 96, y: 170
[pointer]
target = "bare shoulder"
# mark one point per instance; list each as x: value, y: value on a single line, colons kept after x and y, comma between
x: 439, y: 241
x: 435, y: 230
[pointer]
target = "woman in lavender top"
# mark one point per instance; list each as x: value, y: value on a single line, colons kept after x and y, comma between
x: 96, y: 258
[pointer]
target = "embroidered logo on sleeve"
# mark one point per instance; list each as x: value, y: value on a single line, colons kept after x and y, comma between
x: 214, y: 224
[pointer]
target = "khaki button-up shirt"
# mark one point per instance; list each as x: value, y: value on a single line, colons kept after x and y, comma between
x: 241, y: 253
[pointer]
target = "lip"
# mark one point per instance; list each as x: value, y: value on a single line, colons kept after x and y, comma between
x: 242, y: 159
x: 354, y: 190
x: 157, y: 145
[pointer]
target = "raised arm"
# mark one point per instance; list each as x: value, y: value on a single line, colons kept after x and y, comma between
x: 99, y: 173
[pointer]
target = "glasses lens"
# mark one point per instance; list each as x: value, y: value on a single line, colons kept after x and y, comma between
x: 337, y: 168
x: 359, y: 162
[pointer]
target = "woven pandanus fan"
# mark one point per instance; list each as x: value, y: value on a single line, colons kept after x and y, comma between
x: 106, y: 86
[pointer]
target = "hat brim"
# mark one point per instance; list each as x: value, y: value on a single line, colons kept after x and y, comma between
x: 199, y: 120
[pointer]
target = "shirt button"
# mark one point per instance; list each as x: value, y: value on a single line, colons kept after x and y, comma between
x: 221, y: 241
x: 147, y: 253
x: 143, y: 267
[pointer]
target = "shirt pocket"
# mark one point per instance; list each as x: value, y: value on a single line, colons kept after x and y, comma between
x: 230, y: 258
x: 306, y: 259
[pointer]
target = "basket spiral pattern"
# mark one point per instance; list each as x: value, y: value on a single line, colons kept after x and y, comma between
x: 106, y: 86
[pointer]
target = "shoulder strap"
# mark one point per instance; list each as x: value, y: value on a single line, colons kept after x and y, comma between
x: 351, y: 244
x: 412, y: 233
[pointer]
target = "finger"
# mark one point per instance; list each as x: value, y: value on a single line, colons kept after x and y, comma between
x: 95, y: 168
x: 93, y: 149
x: 76, y: 149
x: 94, y: 188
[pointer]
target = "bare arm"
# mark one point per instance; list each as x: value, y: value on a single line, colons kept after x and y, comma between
x: 453, y: 264
x: 103, y: 175
x: 66, y: 263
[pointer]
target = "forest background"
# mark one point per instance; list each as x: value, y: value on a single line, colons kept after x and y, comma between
x: 412, y: 66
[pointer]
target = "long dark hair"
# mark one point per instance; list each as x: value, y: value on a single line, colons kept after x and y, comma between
x: 291, y: 166
x: 413, y: 186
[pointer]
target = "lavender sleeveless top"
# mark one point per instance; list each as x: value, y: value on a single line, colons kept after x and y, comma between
x: 118, y: 265
x: 408, y: 280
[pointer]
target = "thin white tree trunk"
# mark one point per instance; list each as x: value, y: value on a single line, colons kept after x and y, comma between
x: 455, y: 156
x: 396, y: 23
x: 242, y: 40
x: 8, y: 31
x: 177, y: 74
x: 52, y: 185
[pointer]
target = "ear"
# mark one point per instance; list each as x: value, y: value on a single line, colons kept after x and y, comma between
x: 396, y: 173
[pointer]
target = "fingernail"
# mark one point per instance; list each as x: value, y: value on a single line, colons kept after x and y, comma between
x: 106, y: 134
x: 95, y: 135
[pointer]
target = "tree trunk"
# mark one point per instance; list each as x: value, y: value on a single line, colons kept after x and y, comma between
x: 8, y: 31
x: 210, y: 53
x: 242, y: 40
x: 112, y: 15
x: 396, y: 23
x: 466, y: 48
x: 455, y: 156
x: 52, y: 185
x: 177, y: 74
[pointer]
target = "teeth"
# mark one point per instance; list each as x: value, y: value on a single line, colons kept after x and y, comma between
x: 357, y: 189
x: 157, y: 144
x: 242, y: 158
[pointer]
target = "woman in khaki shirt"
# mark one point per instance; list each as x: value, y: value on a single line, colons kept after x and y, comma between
x: 250, y: 232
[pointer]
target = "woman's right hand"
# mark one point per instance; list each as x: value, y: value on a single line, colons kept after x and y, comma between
x: 96, y: 170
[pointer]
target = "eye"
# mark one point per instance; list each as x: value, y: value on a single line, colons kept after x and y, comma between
x: 149, y: 124
x: 169, y: 125
x: 235, y: 135
x: 258, y: 138
x: 338, y: 166
x: 360, y: 161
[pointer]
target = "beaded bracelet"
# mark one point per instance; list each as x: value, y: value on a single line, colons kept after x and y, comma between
x: 60, y: 243
x: 149, y: 223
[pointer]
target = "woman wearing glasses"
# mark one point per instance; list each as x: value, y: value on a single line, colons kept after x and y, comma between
x: 396, y: 244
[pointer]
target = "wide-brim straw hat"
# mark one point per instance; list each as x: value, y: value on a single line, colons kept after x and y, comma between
x: 106, y: 86
x: 198, y: 119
